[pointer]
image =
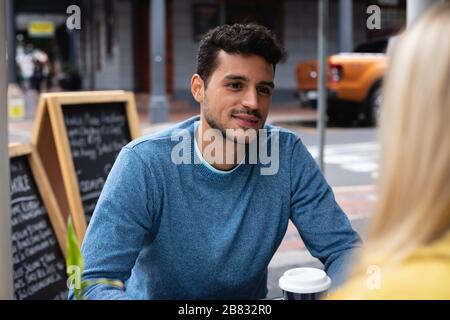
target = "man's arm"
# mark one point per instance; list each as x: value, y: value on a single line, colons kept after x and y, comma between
x: 323, y: 226
x: 120, y: 225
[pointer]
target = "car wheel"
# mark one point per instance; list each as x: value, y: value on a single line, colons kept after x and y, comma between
x: 373, y: 106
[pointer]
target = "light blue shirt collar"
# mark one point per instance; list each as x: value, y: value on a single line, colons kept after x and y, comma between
x: 206, y: 163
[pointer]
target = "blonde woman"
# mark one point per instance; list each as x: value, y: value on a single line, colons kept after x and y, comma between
x: 407, y: 253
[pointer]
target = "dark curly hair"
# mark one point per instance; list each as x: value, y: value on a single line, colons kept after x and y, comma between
x: 237, y: 39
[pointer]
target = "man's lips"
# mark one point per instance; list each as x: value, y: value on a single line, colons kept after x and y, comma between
x: 246, y: 120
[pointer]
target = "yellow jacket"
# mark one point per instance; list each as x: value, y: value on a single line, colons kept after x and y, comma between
x: 424, y: 275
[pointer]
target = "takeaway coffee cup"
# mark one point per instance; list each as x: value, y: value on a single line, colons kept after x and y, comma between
x: 304, y: 284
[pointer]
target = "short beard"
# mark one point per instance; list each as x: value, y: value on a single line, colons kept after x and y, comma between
x: 213, y: 124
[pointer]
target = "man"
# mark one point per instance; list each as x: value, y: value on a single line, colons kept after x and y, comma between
x: 176, y: 222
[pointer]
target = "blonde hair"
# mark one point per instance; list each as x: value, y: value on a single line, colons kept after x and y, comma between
x: 414, y: 185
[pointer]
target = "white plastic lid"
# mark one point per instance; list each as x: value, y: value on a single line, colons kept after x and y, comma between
x: 305, y: 280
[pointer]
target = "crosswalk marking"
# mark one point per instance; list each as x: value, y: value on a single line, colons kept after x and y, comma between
x: 354, y: 157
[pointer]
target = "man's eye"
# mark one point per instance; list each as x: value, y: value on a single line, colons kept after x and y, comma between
x: 235, y: 85
x: 265, y: 91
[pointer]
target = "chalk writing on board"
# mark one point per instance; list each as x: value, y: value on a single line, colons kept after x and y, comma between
x: 96, y: 133
x: 39, y: 266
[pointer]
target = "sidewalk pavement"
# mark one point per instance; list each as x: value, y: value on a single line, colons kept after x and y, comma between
x: 357, y: 202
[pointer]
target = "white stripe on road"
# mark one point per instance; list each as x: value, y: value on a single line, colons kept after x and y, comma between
x: 354, y: 157
x: 366, y: 188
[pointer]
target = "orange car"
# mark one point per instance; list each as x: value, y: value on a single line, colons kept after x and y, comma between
x: 354, y: 83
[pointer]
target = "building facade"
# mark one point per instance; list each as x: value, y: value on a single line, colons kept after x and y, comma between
x: 112, y: 48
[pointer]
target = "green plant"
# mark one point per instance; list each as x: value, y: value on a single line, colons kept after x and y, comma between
x: 74, y: 262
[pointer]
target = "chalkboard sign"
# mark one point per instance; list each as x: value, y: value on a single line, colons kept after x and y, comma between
x: 39, y: 269
x: 96, y: 132
x: 78, y: 137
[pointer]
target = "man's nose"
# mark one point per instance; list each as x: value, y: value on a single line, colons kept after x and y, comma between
x: 250, y: 99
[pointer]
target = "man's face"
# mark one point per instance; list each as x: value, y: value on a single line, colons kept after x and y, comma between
x: 238, y: 95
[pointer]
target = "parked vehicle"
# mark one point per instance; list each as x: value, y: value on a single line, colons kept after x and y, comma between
x: 354, y: 83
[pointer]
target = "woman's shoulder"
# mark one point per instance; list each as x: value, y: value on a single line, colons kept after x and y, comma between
x: 416, y: 278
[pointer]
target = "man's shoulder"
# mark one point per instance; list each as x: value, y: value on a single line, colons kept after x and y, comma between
x: 163, y: 139
x: 287, y: 138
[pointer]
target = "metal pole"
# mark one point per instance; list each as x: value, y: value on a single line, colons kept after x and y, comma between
x: 159, y: 106
x: 223, y: 12
x: 92, y: 46
x: 346, y: 25
x: 6, y: 282
x: 322, y: 94
x: 414, y: 8
x: 11, y: 38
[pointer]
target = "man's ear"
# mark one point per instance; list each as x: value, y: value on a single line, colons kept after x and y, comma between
x: 197, y: 88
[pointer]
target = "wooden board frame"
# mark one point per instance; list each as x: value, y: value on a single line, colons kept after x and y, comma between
x: 45, y: 190
x: 50, y: 138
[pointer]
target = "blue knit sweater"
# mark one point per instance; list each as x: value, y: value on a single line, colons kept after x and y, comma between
x: 184, y: 231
